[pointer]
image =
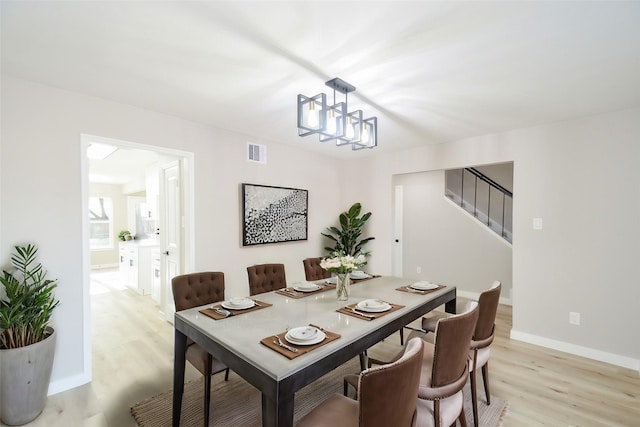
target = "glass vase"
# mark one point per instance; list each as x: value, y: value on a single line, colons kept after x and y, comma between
x: 342, y: 286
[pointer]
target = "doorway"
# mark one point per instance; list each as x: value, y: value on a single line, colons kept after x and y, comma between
x: 131, y: 178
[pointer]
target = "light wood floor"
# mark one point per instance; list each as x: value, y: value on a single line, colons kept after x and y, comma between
x: 133, y: 352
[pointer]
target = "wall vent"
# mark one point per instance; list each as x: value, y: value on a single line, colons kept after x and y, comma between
x: 256, y: 153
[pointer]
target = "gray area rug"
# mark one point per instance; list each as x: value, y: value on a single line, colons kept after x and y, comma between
x: 237, y: 403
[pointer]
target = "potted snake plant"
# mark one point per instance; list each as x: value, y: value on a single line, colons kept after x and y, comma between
x: 27, y: 342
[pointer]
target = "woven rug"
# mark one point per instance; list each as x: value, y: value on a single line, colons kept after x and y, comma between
x: 238, y: 403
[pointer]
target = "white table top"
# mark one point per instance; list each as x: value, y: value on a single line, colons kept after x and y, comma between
x: 241, y: 334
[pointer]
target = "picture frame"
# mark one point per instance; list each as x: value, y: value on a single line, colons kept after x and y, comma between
x: 273, y: 214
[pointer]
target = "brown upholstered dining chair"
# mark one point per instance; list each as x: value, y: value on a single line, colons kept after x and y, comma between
x: 313, y: 271
x: 482, y: 338
x: 192, y: 290
x: 444, y: 370
x: 387, y: 396
x: 265, y: 278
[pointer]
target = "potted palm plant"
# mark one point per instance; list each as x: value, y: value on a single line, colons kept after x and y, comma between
x: 347, y: 239
x: 27, y: 342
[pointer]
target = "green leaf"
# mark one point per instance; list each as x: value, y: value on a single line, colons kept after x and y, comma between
x: 347, y: 237
x: 354, y: 210
x: 29, y: 302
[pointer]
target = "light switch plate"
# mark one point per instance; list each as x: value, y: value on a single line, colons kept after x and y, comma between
x: 537, y: 223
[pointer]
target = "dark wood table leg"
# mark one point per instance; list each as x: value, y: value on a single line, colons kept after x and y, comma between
x: 277, y: 414
x: 364, y: 360
x: 180, y: 348
x: 450, y: 306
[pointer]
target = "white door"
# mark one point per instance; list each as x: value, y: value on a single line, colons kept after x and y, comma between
x: 171, y: 232
x: 397, y: 232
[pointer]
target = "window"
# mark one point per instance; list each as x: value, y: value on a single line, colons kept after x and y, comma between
x: 100, y: 223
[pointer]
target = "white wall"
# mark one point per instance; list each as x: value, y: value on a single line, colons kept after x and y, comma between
x: 449, y: 245
x: 41, y: 198
x: 582, y: 178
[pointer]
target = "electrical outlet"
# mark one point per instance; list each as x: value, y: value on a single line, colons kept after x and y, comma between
x: 574, y: 318
x: 418, y: 270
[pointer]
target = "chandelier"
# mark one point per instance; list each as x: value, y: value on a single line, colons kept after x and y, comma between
x: 334, y: 123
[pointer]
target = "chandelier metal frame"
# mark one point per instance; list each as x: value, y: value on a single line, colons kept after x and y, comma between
x: 334, y: 123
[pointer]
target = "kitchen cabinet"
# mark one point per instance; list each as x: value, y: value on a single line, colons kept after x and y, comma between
x: 136, y: 264
x: 156, y: 291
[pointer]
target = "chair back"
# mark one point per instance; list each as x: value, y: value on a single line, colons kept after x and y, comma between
x: 387, y: 394
x: 265, y: 278
x: 450, y: 354
x: 194, y: 289
x: 313, y: 271
x: 488, y: 307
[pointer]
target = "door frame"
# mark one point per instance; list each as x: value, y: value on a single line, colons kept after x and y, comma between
x: 167, y: 305
x: 398, y: 212
x: 186, y: 159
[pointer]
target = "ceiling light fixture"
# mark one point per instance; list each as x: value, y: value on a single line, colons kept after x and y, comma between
x: 334, y: 122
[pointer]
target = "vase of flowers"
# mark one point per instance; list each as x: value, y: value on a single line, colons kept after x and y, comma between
x: 343, y: 286
x: 342, y: 265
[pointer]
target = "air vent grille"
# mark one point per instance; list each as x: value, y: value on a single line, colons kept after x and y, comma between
x: 256, y: 153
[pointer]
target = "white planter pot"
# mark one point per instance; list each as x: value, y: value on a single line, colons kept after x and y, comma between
x: 24, y: 380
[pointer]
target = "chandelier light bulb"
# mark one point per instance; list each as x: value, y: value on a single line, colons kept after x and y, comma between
x: 350, y: 132
x: 331, y: 123
x: 365, y: 134
x: 312, y: 120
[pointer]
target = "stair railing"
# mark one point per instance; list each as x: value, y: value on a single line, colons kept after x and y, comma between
x: 505, y: 198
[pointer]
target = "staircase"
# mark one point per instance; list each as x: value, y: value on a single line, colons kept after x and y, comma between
x: 483, y: 198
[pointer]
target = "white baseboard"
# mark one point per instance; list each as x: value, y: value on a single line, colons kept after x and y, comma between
x: 577, y: 350
x: 68, y: 383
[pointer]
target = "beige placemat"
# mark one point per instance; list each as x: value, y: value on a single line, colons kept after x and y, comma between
x: 292, y: 293
x: 365, y: 315
x: 302, y: 349
x: 217, y: 316
x: 408, y: 288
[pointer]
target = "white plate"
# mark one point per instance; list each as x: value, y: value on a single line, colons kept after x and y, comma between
x: 424, y: 286
x: 248, y: 303
x: 304, y: 333
x: 306, y: 287
x: 331, y: 281
x: 319, y: 336
x: 361, y: 275
x: 373, y: 306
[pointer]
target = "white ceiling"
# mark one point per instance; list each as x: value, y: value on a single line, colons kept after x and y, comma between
x: 431, y: 72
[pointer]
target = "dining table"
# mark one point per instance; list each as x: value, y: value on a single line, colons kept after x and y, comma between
x: 243, y: 340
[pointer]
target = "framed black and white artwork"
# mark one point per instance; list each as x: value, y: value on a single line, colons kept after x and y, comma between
x: 273, y: 214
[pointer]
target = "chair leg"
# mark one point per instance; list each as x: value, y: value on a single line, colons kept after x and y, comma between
x: 485, y: 379
x: 226, y: 374
x: 436, y: 413
x: 474, y: 397
x: 345, y: 390
x: 401, y: 336
x: 207, y: 390
x: 462, y: 418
